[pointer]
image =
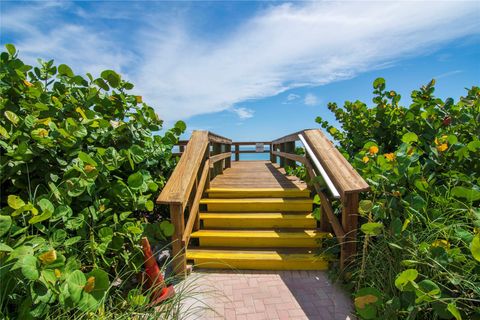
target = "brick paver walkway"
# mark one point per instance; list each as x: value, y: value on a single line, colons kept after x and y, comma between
x: 256, y: 295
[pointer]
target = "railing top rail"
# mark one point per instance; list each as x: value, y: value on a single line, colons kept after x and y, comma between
x: 180, y: 184
x: 289, y: 138
x: 213, y: 137
x: 250, y: 143
x: 345, y: 178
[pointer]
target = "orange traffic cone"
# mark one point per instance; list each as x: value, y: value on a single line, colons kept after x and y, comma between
x: 155, y: 281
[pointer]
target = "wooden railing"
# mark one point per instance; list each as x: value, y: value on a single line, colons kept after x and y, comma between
x: 206, y: 155
x: 324, y: 163
x: 237, y: 145
x: 203, y: 157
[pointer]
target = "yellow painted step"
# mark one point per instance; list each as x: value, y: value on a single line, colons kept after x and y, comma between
x: 260, y: 238
x: 258, y: 193
x: 257, y: 220
x: 271, y: 259
x: 258, y: 204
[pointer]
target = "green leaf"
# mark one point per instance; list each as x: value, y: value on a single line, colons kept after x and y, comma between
x: 149, y: 205
x: 112, y: 78
x: 75, y: 282
x: 102, y: 283
x: 65, y: 70
x: 12, y: 117
x: 10, y: 48
x: 4, y: 133
x: 5, y: 224
x: 367, y: 301
x: 427, y: 291
x: 5, y: 248
x: 29, y: 267
x: 372, y: 228
x: 72, y: 241
x: 454, y: 311
x: 316, y: 199
x: 365, y: 207
x: 410, y: 137
x: 105, y: 234
x: 86, y: 158
x: 15, y: 202
x: 473, y: 145
x: 475, y: 247
x: 135, y: 181
x: 167, y: 228
x: 405, y: 278
x: 452, y: 139
x: 421, y: 184
x: 180, y: 125
x: 42, y: 217
x: 46, y: 206
x: 379, y: 83
x: 468, y: 193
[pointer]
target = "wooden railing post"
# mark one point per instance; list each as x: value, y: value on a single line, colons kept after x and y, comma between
x: 228, y: 161
x: 350, y: 225
x: 178, y: 250
x: 282, y: 159
x: 218, y: 166
x: 237, y: 152
x: 273, y: 158
x: 290, y: 148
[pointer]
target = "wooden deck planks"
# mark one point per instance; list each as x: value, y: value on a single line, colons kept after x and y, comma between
x: 256, y: 174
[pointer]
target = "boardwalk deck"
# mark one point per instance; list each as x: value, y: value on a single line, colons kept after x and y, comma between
x: 256, y: 174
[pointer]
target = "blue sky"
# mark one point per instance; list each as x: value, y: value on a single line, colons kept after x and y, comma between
x: 254, y: 70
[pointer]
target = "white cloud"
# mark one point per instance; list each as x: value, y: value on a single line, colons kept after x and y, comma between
x: 292, y: 96
x: 310, y: 99
x: 243, y: 113
x: 284, y: 46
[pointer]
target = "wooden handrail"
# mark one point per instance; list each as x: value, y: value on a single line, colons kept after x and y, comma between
x: 180, y: 184
x: 324, y: 159
x: 206, y: 151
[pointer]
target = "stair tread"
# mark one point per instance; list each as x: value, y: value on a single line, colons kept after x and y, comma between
x: 254, y: 189
x: 242, y: 254
x: 256, y: 215
x: 250, y: 200
x: 278, y: 233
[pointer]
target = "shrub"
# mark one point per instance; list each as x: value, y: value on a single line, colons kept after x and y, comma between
x: 80, y: 170
x: 420, y: 224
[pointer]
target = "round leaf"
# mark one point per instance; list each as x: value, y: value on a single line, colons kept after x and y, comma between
x: 65, y: 70
x: 29, y: 267
x: 5, y: 224
x: 135, y: 181
x: 372, y: 228
x: 404, y: 278
x: 410, y: 137
x: 15, y: 202
x: 475, y: 247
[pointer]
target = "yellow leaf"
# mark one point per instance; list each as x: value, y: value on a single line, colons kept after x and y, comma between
x: 45, y: 121
x: 88, y: 168
x: 365, y: 159
x: 48, y: 257
x: 361, y: 302
x: 58, y: 273
x: 441, y: 243
x: 28, y: 84
x: 90, y: 285
x: 80, y: 110
x: 139, y: 99
x: 442, y: 147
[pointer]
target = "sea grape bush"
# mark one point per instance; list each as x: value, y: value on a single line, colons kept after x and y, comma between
x: 80, y: 169
x: 420, y: 224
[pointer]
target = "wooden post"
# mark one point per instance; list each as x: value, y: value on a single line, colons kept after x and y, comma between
x: 178, y: 250
x: 218, y: 166
x: 273, y: 159
x: 228, y: 161
x: 282, y: 160
x: 237, y: 152
x: 350, y: 225
x: 181, y: 148
x: 290, y: 148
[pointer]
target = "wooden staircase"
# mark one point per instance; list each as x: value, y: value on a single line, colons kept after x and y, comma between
x: 251, y: 214
x: 255, y: 228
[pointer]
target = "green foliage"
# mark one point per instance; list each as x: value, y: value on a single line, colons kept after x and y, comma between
x: 80, y: 170
x: 421, y: 222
